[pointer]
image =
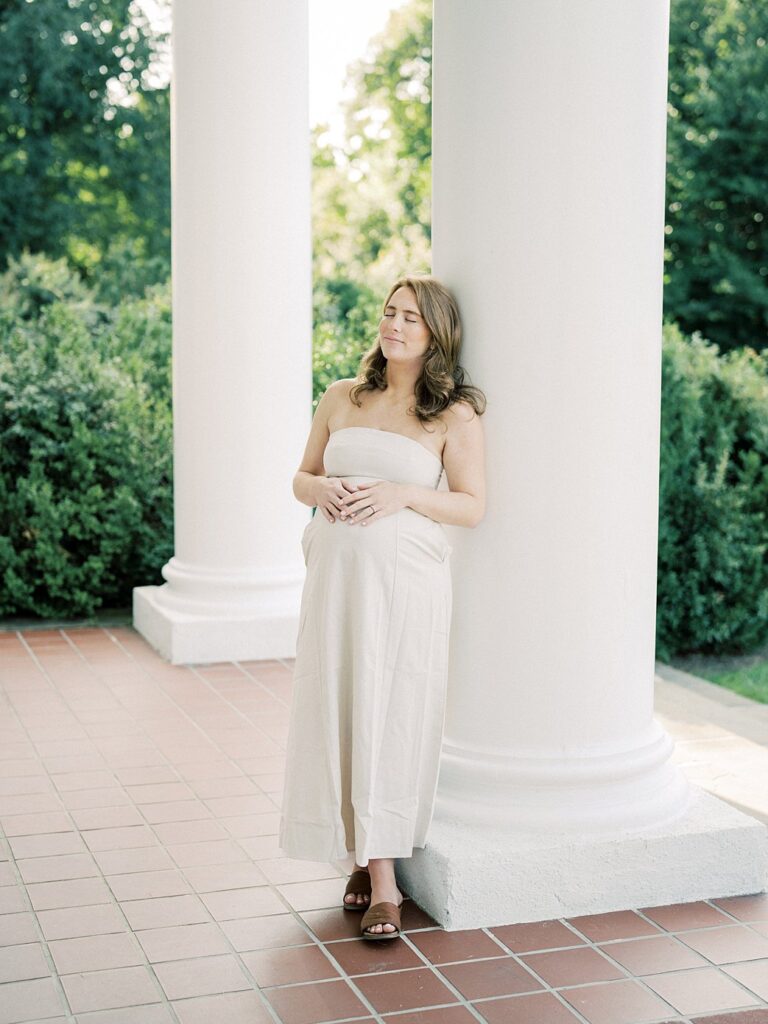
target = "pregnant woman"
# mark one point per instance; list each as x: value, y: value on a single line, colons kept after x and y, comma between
x: 369, y: 680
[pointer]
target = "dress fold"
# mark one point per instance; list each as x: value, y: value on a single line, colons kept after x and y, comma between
x: 370, y: 675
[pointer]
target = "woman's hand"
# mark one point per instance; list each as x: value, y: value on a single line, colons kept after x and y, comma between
x: 373, y: 501
x: 329, y: 493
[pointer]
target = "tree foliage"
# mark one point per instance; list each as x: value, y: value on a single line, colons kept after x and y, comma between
x: 713, y: 498
x: 371, y: 200
x: 84, y: 153
x: 717, y: 171
x: 371, y: 195
x: 86, y: 496
x: 85, y: 329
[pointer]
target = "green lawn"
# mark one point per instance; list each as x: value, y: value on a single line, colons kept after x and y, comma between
x: 744, y: 674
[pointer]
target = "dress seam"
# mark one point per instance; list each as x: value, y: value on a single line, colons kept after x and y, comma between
x: 376, y: 754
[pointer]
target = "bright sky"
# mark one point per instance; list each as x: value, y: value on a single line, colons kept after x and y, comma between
x: 339, y: 32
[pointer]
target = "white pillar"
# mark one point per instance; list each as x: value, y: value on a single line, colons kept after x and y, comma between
x: 242, y: 323
x: 556, y: 794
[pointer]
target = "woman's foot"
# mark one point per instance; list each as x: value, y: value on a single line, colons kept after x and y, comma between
x: 388, y: 895
x: 383, y: 889
x: 360, y: 898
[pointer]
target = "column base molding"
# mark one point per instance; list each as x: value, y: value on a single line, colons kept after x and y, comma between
x: 470, y: 876
x: 633, y: 787
x: 206, y: 634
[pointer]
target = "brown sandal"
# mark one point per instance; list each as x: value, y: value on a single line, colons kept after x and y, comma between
x: 359, y: 882
x: 381, y: 913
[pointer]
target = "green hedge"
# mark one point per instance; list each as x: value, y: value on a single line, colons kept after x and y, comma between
x: 85, y: 446
x: 713, y: 503
x: 86, y: 456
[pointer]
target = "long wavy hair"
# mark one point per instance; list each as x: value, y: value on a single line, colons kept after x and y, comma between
x: 442, y: 380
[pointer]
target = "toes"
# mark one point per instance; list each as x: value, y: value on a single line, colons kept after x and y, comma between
x: 353, y: 897
x: 380, y: 928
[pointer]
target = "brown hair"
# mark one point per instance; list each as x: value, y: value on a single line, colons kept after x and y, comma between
x: 441, y: 383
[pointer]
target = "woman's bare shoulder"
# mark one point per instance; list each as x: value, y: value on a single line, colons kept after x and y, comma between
x: 341, y: 387
x: 335, y: 398
x: 459, y: 415
x: 337, y: 390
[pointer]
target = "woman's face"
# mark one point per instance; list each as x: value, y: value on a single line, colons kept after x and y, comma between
x: 403, y: 334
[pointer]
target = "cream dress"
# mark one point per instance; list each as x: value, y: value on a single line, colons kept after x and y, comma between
x: 369, y: 680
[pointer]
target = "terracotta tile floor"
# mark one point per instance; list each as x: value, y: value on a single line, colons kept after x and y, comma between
x: 141, y: 883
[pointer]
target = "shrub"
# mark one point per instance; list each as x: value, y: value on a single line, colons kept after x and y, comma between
x: 85, y: 461
x: 86, y: 455
x: 346, y: 320
x: 33, y: 282
x: 713, y: 501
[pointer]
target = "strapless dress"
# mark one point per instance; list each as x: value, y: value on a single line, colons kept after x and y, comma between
x: 369, y: 678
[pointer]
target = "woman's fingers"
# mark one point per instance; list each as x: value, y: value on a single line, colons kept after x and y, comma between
x: 358, y: 504
x: 360, y: 514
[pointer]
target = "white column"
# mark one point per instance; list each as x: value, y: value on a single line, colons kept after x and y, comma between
x: 557, y: 795
x: 242, y: 323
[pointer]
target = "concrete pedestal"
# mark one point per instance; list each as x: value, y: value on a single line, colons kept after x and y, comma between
x: 472, y: 877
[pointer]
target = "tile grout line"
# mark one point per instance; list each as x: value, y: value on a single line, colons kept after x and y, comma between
x: 195, y: 724
x: 762, y: 1004
x: 517, y: 956
x: 312, y: 939
x: 113, y: 899
x: 247, y: 858
x: 315, y: 939
x: 589, y: 943
x: 584, y: 944
x: 228, y: 703
x: 105, y: 877
x: 629, y: 976
x: 405, y: 937
x: 322, y: 944
x: 21, y: 885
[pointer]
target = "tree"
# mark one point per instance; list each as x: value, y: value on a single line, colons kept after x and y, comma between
x: 716, y: 261
x: 371, y: 197
x: 84, y: 155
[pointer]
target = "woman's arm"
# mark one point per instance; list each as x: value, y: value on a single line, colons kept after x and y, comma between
x: 455, y: 508
x: 310, y: 482
x: 464, y: 462
x: 304, y: 487
x: 311, y: 468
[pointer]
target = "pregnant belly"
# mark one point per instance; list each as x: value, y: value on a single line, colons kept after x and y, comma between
x: 403, y: 534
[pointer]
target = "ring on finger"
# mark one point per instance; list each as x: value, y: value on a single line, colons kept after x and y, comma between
x: 371, y: 507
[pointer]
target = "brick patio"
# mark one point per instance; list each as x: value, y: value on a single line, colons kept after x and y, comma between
x: 140, y: 879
